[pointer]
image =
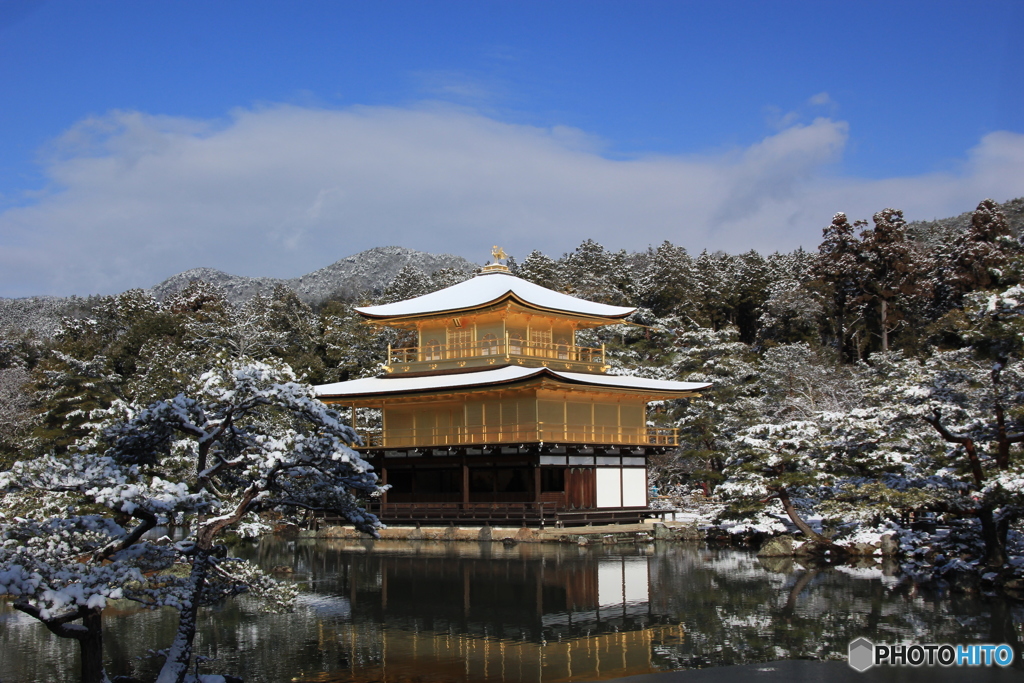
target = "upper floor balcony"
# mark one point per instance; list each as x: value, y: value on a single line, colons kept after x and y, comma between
x: 493, y: 350
x: 533, y: 432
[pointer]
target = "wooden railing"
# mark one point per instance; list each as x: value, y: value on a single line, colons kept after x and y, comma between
x: 490, y: 348
x: 524, y: 433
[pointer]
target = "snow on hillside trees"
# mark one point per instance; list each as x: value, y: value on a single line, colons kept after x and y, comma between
x: 708, y: 423
x: 244, y: 438
x: 938, y: 435
x: 16, y: 416
x: 976, y: 258
x: 973, y: 398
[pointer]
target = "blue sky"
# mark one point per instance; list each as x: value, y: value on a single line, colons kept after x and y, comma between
x: 140, y: 139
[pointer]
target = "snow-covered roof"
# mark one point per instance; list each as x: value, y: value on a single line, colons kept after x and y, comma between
x: 398, y: 384
x: 490, y: 288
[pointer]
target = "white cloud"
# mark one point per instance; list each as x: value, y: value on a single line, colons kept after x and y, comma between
x: 822, y: 99
x: 283, y: 190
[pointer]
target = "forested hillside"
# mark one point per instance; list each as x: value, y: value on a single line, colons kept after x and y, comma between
x: 858, y: 388
x: 368, y: 272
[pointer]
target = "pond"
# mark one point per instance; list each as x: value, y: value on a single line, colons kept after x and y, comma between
x: 460, y: 612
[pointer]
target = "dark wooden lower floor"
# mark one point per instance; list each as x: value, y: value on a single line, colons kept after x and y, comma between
x: 570, y: 478
x: 526, y: 485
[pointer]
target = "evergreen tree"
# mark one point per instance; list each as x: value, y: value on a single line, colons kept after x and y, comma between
x: 244, y: 438
x: 752, y: 282
x: 710, y: 292
x: 199, y: 298
x: 541, y: 270
x: 16, y: 418
x: 446, y: 277
x: 410, y: 282
x: 791, y: 313
x: 794, y: 265
x: 235, y: 331
x: 294, y: 323
x: 839, y: 273
x: 352, y: 349
x: 891, y: 274
x: 666, y: 283
x: 594, y: 274
x: 708, y: 423
x: 976, y: 259
x: 70, y: 390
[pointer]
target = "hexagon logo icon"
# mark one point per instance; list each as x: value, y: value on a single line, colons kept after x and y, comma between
x: 861, y: 654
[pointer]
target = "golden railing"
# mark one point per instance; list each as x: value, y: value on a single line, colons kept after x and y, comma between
x: 529, y: 433
x: 489, y: 348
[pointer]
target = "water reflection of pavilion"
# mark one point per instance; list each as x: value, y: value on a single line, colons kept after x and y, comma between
x: 537, y: 616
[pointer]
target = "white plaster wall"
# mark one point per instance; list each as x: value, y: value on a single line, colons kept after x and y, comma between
x: 609, y: 491
x: 634, y: 487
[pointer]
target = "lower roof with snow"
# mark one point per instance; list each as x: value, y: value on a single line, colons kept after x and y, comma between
x: 397, y: 385
x: 490, y: 288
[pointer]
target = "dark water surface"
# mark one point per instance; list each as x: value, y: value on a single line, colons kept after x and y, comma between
x: 458, y: 612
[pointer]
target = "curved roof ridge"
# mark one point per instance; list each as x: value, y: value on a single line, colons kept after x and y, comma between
x: 392, y: 384
x: 489, y: 288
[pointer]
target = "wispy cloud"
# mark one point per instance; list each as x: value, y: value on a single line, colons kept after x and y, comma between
x: 282, y: 190
x: 815, y: 105
x: 822, y: 99
x: 460, y: 87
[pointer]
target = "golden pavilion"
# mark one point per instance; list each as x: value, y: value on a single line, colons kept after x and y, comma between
x: 497, y: 416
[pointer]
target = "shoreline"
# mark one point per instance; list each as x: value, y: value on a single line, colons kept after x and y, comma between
x: 582, y: 535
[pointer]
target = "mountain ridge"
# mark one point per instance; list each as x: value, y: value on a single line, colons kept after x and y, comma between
x: 368, y: 271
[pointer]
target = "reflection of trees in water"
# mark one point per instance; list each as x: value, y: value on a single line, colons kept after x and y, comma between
x: 25, y: 642
x: 462, y: 611
x: 738, y: 611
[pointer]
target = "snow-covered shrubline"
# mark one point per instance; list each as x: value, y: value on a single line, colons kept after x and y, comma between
x: 489, y: 288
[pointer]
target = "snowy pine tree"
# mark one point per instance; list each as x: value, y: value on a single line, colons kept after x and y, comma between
x: 245, y: 438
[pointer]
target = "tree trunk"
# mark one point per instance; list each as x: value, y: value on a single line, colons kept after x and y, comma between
x: 994, y: 534
x: 90, y: 646
x: 841, y: 335
x: 180, y: 654
x: 968, y: 444
x: 89, y: 635
x: 794, y: 516
x: 885, y: 329
x: 795, y: 592
x: 1002, y: 440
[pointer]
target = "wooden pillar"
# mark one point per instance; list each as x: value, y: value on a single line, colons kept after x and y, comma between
x: 465, y: 480
x: 591, y: 488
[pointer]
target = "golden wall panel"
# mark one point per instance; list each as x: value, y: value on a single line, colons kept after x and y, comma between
x: 574, y: 417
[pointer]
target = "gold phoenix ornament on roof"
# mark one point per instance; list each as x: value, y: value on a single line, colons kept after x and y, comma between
x: 498, y: 253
